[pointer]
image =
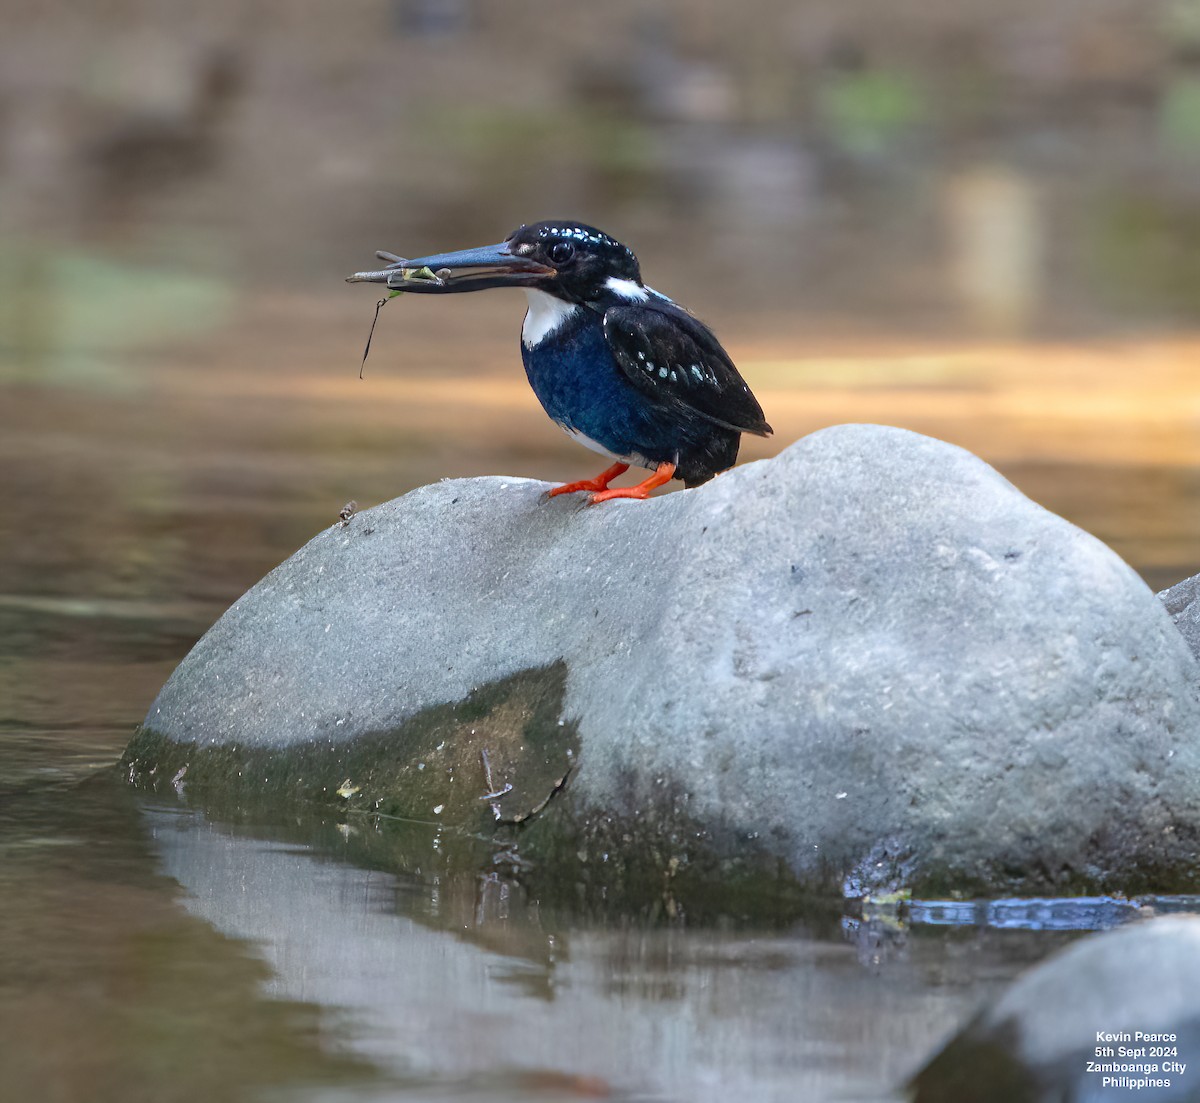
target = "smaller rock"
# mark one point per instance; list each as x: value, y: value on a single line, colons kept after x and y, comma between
x: 1091, y: 1023
x: 1183, y: 603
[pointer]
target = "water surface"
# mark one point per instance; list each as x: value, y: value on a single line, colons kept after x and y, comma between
x: 150, y: 950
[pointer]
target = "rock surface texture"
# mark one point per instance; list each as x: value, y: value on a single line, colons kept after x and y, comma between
x: 870, y: 660
x: 1139, y: 986
x: 1182, y: 601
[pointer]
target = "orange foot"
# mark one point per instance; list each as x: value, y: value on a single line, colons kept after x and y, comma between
x: 664, y: 474
x: 600, y: 482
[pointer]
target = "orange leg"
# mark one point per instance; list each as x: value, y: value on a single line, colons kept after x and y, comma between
x: 600, y: 482
x: 664, y: 474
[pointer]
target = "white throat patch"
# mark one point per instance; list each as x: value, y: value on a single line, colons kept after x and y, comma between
x: 546, y: 314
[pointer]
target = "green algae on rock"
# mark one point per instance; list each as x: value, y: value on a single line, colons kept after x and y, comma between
x: 505, y: 742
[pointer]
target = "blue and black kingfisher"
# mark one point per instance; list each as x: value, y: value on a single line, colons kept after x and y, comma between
x: 620, y: 367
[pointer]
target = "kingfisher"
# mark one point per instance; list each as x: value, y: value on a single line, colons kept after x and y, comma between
x: 620, y: 367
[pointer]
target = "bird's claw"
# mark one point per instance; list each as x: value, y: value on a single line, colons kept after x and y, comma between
x: 638, y: 492
x: 600, y: 482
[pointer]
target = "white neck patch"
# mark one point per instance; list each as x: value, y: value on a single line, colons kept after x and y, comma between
x: 546, y: 314
x: 627, y: 289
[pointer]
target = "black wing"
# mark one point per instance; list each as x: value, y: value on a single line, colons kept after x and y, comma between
x: 674, y: 358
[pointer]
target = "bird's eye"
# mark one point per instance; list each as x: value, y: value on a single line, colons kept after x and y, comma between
x: 561, y: 252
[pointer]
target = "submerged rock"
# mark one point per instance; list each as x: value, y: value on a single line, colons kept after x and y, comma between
x: 1114, y: 1016
x: 870, y: 660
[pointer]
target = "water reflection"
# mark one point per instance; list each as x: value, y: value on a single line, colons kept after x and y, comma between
x: 448, y: 979
x: 457, y: 979
x: 109, y: 991
x: 1082, y: 913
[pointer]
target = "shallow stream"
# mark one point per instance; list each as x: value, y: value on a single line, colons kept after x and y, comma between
x: 152, y: 951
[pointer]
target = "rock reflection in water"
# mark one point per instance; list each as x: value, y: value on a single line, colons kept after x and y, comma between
x: 458, y: 980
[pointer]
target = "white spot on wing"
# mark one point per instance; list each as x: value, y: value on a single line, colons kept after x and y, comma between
x: 627, y: 289
x: 546, y: 314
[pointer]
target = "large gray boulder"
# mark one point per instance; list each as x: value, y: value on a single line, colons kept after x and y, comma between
x: 870, y: 661
x: 1112, y: 1017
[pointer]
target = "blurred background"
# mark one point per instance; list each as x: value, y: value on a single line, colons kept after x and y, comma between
x: 975, y: 220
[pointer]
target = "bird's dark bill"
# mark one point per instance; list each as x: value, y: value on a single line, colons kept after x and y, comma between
x: 467, y: 270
